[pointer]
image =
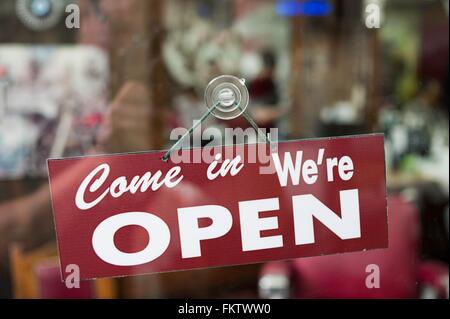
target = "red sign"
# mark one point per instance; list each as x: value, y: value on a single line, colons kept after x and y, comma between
x: 134, y: 213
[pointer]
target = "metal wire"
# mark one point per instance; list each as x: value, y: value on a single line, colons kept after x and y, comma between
x: 255, y: 126
x: 247, y: 116
x: 189, y: 132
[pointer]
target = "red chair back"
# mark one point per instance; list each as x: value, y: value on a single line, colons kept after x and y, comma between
x: 344, y: 275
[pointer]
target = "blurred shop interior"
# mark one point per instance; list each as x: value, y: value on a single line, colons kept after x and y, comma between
x: 136, y: 69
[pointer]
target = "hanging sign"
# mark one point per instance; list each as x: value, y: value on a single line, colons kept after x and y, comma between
x: 129, y: 214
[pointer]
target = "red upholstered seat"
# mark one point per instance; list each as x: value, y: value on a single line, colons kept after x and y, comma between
x: 344, y: 275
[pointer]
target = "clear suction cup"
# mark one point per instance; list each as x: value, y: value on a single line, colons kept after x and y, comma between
x: 229, y: 95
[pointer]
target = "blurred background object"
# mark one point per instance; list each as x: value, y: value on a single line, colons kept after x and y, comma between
x: 136, y: 69
x: 53, y: 103
x: 402, y: 273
